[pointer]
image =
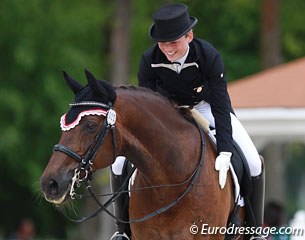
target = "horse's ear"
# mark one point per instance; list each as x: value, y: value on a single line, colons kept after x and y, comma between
x: 110, y: 91
x: 93, y: 84
x: 73, y: 85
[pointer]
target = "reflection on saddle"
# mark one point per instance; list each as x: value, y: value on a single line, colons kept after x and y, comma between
x: 203, y: 122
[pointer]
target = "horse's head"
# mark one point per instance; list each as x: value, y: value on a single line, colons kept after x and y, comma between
x: 86, y: 135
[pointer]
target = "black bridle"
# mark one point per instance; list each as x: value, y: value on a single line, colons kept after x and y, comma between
x: 86, y: 162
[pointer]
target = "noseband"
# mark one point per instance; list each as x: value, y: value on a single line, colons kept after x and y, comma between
x: 86, y: 161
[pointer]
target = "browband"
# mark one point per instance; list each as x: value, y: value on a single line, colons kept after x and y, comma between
x: 67, y: 127
x: 90, y: 103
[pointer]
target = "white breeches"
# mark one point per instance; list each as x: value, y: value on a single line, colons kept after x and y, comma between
x: 239, y: 135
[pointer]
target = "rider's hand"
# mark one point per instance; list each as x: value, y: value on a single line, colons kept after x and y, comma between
x: 222, y: 164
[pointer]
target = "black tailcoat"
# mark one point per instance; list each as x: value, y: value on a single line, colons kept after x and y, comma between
x: 202, y: 78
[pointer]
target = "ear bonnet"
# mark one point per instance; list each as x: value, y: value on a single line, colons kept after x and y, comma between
x: 93, y: 99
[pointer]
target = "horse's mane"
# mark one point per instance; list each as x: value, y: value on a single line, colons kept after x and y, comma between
x: 137, y: 88
x: 184, y: 111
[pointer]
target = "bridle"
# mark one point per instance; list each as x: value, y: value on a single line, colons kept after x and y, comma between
x: 84, y: 170
x: 86, y: 162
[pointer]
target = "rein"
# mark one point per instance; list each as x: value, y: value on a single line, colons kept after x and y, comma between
x: 85, y: 165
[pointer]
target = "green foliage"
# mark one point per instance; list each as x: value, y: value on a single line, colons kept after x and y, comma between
x: 39, y: 39
x: 142, y: 11
x: 233, y: 28
x: 293, y: 33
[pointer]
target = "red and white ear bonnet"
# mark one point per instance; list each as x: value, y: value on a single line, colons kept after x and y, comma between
x: 78, y: 110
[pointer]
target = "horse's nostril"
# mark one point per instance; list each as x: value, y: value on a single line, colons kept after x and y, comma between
x: 53, y: 187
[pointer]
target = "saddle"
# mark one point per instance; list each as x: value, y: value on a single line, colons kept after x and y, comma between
x: 238, y: 159
x: 239, y: 169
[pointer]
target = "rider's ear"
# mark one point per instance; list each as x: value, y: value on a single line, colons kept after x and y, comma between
x: 73, y: 85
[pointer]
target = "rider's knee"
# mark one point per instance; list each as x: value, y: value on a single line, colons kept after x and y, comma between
x: 255, y: 164
x: 118, y: 165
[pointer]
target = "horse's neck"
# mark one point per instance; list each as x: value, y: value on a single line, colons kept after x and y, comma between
x: 157, y: 140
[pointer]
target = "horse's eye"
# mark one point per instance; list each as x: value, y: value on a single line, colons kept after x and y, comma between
x: 90, y: 126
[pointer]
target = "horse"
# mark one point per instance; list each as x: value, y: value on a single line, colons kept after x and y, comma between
x: 163, y: 144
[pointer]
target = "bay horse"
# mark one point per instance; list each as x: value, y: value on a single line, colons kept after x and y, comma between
x: 164, y: 146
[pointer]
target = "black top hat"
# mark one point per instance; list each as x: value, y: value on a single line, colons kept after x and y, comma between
x: 171, y: 22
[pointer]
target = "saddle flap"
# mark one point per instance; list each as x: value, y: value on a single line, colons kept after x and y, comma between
x: 242, y: 170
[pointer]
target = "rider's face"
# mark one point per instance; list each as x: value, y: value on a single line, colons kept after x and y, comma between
x: 176, y: 49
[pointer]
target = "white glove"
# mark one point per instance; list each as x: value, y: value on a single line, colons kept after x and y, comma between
x: 222, y: 164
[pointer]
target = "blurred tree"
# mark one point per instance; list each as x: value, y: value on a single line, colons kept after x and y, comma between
x: 271, y: 52
x: 141, y: 20
x: 120, y: 43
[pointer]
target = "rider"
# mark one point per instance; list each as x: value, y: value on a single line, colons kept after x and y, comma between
x: 190, y: 71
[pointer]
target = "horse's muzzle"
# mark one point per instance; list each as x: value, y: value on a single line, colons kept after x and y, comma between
x: 56, y: 188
